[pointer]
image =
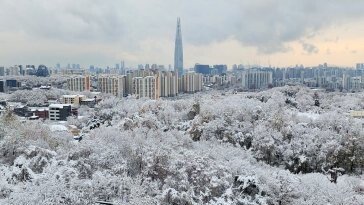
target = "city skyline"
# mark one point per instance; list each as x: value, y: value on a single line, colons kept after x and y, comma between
x: 42, y: 32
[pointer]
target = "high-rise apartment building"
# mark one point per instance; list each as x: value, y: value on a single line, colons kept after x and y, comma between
x: 191, y: 82
x: 112, y: 84
x: 178, y: 52
x: 146, y: 87
x: 167, y: 84
x: 356, y: 83
x: 135, y: 73
x: 79, y: 83
x: 256, y: 79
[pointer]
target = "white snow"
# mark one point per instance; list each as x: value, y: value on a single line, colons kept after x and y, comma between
x: 58, y: 128
x: 312, y: 116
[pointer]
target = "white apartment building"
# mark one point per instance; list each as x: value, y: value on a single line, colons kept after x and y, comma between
x: 167, y: 84
x: 79, y: 83
x: 112, y: 84
x: 256, y: 79
x: 352, y: 83
x: 129, y: 87
x: 146, y: 87
x: 356, y: 83
x: 191, y: 82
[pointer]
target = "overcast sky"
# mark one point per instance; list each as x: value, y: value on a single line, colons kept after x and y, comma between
x: 104, y: 32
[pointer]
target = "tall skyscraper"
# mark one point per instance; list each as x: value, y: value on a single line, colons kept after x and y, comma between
x: 178, y: 51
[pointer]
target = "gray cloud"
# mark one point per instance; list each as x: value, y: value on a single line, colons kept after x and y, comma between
x: 309, y: 48
x: 271, y: 23
x: 267, y: 25
x: 64, y: 20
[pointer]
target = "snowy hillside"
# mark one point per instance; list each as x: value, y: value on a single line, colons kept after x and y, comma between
x: 283, y: 146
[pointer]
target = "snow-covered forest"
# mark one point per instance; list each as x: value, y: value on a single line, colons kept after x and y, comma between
x: 288, y: 145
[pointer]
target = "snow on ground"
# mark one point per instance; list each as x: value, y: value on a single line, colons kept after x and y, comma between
x: 58, y: 128
x: 312, y: 116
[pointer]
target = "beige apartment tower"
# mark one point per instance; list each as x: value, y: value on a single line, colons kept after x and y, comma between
x: 114, y: 85
x: 167, y: 84
x: 79, y: 83
x: 146, y: 87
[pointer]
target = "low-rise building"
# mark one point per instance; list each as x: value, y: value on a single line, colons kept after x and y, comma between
x: 74, y: 100
x: 357, y: 113
x: 22, y: 111
x: 59, y: 111
x: 12, y: 83
x: 41, y: 112
x: 88, y: 102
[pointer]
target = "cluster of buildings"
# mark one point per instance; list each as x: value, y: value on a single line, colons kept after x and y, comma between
x: 322, y: 76
x: 208, y: 70
x: 146, y: 82
x: 20, y: 70
x: 69, y: 106
x: 54, y: 110
x: 156, y: 81
x: 140, y: 83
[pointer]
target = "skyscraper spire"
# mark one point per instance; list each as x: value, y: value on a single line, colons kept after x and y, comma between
x: 178, y: 50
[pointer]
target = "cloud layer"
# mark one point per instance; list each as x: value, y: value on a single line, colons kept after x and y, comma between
x: 266, y: 25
